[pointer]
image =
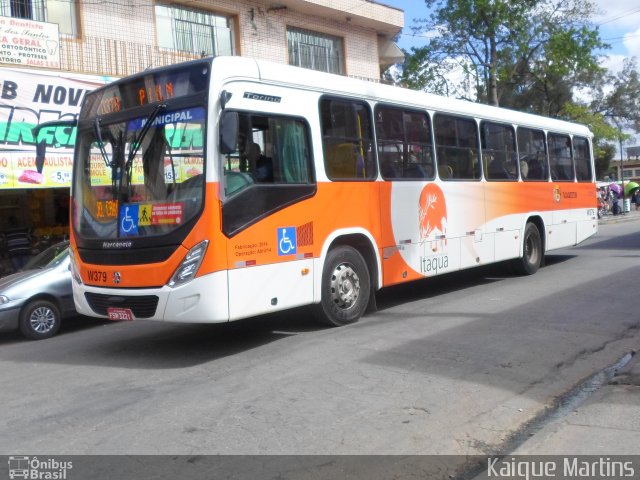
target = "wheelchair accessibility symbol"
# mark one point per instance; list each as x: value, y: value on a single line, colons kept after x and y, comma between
x: 287, y: 241
x: 128, y: 220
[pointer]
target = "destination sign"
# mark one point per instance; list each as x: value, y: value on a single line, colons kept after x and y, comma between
x: 148, y: 89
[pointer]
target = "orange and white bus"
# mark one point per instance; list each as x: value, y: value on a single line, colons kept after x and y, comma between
x: 226, y: 188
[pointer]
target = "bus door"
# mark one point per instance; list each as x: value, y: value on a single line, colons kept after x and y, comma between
x: 267, y: 176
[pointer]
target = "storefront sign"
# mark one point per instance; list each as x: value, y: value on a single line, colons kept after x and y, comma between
x: 29, y: 43
x: 31, y: 97
x: 18, y: 170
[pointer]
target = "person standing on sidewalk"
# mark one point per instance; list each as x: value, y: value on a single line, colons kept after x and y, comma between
x: 636, y: 198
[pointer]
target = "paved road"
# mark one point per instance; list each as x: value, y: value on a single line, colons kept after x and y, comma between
x: 455, y: 366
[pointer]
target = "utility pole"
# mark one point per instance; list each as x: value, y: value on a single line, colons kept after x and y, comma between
x: 622, y: 174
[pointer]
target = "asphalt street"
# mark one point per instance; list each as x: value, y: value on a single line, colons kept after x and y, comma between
x: 460, y: 365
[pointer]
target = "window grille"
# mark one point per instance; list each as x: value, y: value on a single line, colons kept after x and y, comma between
x: 195, y: 31
x: 315, y: 51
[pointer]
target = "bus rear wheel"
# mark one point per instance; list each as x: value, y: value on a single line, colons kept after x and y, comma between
x: 532, y: 253
x: 346, y: 287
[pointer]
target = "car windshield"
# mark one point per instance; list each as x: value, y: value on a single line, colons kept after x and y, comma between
x: 50, y: 257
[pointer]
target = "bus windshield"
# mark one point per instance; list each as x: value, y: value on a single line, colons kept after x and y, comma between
x: 139, y: 176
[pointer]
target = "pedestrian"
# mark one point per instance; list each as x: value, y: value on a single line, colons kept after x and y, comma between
x: 615, y: 206
x: 636, y: 198
x: 18, y: 244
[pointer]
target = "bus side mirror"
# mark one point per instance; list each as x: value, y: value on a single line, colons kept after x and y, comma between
x: 229, y: 126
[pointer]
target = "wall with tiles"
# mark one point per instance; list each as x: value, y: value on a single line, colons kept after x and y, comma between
x: 119, y: 37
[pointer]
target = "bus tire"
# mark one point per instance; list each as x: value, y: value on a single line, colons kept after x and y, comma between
x: 532, y: 253
x: 345, y: 288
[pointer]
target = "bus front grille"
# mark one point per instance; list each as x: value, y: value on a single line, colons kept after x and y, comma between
x: 142, y: 306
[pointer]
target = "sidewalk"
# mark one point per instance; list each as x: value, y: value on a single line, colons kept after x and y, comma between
x: 632, y: 215
x: 607, y: 423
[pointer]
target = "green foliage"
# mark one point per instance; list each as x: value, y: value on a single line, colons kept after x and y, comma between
x: 528, y: 54
x: 605, y: 136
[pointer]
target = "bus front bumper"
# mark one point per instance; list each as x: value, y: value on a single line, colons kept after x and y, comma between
x: 202, y: 300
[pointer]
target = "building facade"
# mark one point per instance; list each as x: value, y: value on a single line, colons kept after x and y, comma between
x: 121, y: 37
x: 52, y: 52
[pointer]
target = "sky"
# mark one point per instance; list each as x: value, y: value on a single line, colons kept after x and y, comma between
x: 618, y: 20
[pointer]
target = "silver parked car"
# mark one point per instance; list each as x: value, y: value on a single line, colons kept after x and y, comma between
x: 37, y: 298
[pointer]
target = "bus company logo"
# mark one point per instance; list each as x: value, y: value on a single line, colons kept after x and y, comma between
x: 36, y: 469
x: 556, y: 193
x: 432, y: 211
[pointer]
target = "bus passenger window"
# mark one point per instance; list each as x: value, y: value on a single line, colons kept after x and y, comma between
x: 457, y: 148
x: 498, y: 151
x: 582, y: 159
x: 533, y: 155
x: 347, y: 139
x: 405, y: 150
x: 560, y: 160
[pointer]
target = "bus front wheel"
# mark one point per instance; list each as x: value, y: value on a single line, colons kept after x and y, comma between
x: 532, y: 253
x: 346, y: 287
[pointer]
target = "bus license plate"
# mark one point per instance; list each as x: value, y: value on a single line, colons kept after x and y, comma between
x: 119, y: 313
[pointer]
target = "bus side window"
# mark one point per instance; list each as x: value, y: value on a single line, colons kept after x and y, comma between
x: 582, y: 159
x: 532, y: 153
x: 457, y: 147
x: 347, y: 139
x: 405, y: 150
x: 499, y: 151
x: 560, y: 157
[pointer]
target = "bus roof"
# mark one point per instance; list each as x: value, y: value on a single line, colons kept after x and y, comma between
x: 287, y: 75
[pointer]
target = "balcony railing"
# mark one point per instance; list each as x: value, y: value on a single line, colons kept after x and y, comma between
x: 118, y: 58
x: 103, y: 56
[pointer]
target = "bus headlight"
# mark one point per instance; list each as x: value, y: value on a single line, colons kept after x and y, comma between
x: 190, y: 265
x: 74, y: 268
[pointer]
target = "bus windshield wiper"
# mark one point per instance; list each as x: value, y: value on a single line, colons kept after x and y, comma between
x: 137, y: 142
x: 98, y: 134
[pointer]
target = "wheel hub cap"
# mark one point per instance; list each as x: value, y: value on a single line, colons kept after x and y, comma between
x: 345, y: 286
x: 42, y: 320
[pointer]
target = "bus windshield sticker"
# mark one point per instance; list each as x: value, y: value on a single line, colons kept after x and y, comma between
x: 129, y: 220
x: 144, y: 219
x: 287, y: 241
x: 166, y: 213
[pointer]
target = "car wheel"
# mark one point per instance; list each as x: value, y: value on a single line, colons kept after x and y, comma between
x: 40, y: 319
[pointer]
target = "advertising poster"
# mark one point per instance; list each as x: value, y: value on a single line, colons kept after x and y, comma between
x: 31, y: 97
x: 29, y: 43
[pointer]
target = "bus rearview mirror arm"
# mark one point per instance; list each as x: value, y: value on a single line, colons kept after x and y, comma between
x: 41, y: 145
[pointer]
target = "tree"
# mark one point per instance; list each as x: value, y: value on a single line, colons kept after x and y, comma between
x: 604, y: 134
x: 618, y: 97
x: 505, y: 48
x: 616, y: 101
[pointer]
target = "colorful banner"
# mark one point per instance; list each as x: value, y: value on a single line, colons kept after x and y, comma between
x: 29, y: 43
x: 31, y: 97
x: 18, y: 170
